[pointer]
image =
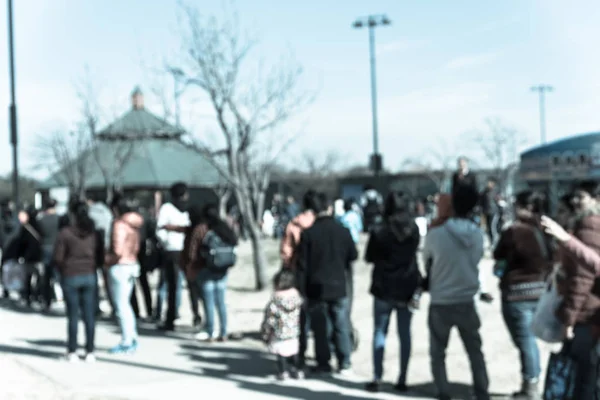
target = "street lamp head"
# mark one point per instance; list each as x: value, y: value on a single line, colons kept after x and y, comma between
x: 385, y: 20
x: 358, y: 24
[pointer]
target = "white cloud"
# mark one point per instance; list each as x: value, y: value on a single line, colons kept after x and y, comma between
x: 472, y: 61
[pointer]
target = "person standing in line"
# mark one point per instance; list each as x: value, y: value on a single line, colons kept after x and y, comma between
x: 103, y: 219
x: 371, y: 203
x: 289, y: 259
x: 452, y: 253
x: 280, y: 329
x: 292, y: 209
x: 78, y: 251
x: 48, y: 223
x: 326, y: 252
x: 489, y: 209
x: 524, y: 259
x: 124, y: 270
x: 395, y: 283
x: 352, y: 220
x: 580, y: 308
x: 174, y: 214
x: 463, y: 176
x: 212, y: 282
x: 30, y: 250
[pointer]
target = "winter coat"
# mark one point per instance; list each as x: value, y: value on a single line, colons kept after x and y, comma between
x: 280, y: 328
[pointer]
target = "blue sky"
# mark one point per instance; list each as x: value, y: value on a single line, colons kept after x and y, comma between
x: 443, y: 67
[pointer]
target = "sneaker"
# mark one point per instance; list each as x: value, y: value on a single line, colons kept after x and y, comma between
x: 319, y: 370
x: 197, y: 321
x: 222, y: 339
x: 90, y: 358
x: 122, y: 349
x: 299, y: 375
x: 372, y: 387
x: 283, y: 376
x: 345, y: 371
x: 134, y: 345
x: 486, y: 297
x: 72, y: 357
x: 401, y: 387
x: 203, y: 337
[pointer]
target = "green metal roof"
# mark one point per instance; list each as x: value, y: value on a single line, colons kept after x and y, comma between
x: 139, y: 123
x: 153, y: 163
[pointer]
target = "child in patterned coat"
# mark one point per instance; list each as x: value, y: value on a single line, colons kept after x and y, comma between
x: 280, y: 329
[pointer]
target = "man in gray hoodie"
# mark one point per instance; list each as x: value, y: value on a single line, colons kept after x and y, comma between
x: 452, y: 253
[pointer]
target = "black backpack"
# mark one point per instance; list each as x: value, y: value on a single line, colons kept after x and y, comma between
x: 217, y: 255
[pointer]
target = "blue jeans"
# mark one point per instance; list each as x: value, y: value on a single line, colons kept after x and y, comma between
x: 162, y: 292
x: 518, y: 316
x: 582, y: 346
x: 80, y: 296
x: 122, y: 281
x: 330, y: 319
x: 212, y: 289
x: 382, y: 311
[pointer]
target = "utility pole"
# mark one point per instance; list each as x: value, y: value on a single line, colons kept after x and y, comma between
x: 13, y: 108
x: 542, y: 89
x: 373, y: 21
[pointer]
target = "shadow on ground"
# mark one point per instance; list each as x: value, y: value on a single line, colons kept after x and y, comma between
x: 250, y: 369
x: 18, y: 306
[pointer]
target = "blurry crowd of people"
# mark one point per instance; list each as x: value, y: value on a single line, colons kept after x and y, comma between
x: 314, y: 289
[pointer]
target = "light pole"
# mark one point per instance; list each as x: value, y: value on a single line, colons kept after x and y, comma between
x: 371, y: 22
x: 542, y: 89
x: 13, y: 108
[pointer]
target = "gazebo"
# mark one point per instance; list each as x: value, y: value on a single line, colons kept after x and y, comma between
x: 141, y: 154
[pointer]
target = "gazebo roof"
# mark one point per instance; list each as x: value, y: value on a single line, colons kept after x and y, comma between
x: 152, y: 163
x: 155, y: 155
x: 139, y: 123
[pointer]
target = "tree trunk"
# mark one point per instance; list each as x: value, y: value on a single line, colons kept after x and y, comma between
x: 258, y: 257
x: 243, y: 197
x: 223, y: 200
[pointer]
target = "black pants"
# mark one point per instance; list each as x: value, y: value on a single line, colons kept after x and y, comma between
x: 80, y: 296
x: 194, y: 299
x: 171, y: 274
x: 287, y: 364
x: 146, y: 293
x: 304, y: 332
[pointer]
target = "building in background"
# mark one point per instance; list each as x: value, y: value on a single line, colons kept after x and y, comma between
x: 554, y: 167
x: 140, y: 154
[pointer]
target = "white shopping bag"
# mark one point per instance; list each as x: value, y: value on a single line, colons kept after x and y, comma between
x: 13, y: 276
x: 545, y: 325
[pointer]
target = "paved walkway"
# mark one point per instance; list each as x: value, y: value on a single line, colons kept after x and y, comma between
x: 31, y: 347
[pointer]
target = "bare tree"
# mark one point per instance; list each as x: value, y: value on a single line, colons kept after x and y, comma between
x: 224, y: 194
x: 111, y: 157
x: 314, y: 170
x: 437, y: 163
x: 68, y: 153
x: 499, y: 144
x: 249, y: 105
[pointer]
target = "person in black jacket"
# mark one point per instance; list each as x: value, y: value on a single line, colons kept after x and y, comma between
x: 326, y: 251
x: 392, y: 248
x: 463, y: 175
x: 30, y: 251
